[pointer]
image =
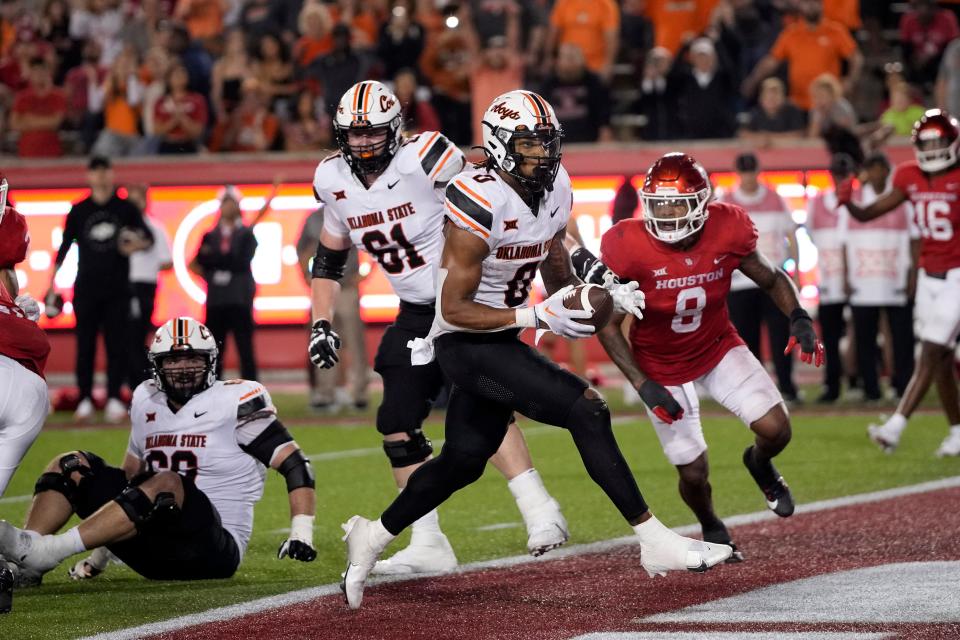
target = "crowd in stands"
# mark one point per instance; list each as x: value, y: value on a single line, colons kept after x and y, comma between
x: 135, y: 77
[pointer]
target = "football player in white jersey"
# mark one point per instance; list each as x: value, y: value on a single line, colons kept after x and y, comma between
x: 181, y: 507
x: 508, y: 219
x: 385, y: 196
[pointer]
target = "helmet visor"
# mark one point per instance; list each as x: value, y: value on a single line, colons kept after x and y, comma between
x: 537, y: 156
x: 673, y: 217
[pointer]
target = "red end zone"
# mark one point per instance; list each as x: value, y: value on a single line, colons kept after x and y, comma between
x: 885, y: 569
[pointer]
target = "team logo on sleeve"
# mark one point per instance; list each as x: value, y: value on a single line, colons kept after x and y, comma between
x: 340, y: 195
x: 511, y: 225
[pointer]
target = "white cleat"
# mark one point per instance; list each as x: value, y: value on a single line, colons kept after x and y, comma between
x: 28, y: 550
x: 950, y: 445
x: 883, y: 438
x: 84, y: 410
x: 547, y: 530
x: 662, y: 550
x: 115, y: 412
x: 426, y: 553
x: 363, y: 549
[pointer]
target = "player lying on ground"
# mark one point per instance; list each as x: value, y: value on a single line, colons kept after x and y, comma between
x: 385, y: 196
x: 181, y: 507
x: 683, y: 254
x: 507, y: 219
x: 932, y: 185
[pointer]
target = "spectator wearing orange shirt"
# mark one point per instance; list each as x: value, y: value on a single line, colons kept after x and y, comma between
x: 677, y: 22
x: 496, y: 72
x: 251, y: 127
x: 119, y: 98
x: 203, y: 18
x: 316, y: 26
x: 846, y: 12
x: 591, y: 25
x: 810, y: 47
x: 38, y: 112
x: 180, y: 116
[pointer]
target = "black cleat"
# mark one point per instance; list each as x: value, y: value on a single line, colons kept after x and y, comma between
x: 722, y: 536
x: 771, y: 483
x: 6, y: 590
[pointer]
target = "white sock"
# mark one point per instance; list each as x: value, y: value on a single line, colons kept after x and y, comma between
x: 66, y: 544
x: 955, y: 430
x: 896, y: 424
x: 381, y: 536
x: 529, y: 492
x: 427, y: 525
x: 648, y: 528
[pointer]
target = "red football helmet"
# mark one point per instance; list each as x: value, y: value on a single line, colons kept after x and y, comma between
x: 676, y: 180
x: 936, y: 136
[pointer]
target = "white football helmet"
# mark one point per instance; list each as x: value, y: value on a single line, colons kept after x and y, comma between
x: 523, y: 114
x: 368, y: 106
x: 180, y: 338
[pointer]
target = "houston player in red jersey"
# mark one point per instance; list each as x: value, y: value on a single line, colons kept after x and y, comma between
x: 23, y: 349
x: 932, y: 184
x: 683, y: 254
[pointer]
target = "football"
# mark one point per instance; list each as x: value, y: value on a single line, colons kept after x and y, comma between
x: 594, y: 299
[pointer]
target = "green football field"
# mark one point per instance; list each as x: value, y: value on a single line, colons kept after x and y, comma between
x: 829, y: 456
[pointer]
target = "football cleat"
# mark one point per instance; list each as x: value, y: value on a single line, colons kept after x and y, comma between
x: 115, y: 412
x: 6, y: 590
x: 950, y: 445
x: 363, y: 549
x: 426, y: 553
x: 28, y: 550
x: 663, y: 550
x: 884, y: 438
x: 722, y: 536
x: 771, y: 483
x: 546, y: 528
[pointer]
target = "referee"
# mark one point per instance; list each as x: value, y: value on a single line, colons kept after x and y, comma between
x: 107, y: 229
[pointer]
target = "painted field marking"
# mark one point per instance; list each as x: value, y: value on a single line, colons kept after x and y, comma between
x: 299, y: 596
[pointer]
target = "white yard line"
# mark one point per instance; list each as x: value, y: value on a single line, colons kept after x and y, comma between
x: 221, y: 614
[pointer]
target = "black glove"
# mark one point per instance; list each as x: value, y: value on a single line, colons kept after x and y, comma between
x: 661, y: 401
x: 297, y: 550
x: 591, y: 270
x: 324, y: 343
x: 803, y: 335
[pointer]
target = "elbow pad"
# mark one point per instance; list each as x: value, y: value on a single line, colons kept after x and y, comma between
x: 328, y: 263
x: 297, y: 471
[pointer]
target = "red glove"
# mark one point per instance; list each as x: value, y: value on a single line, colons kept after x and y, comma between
x: 803, y: 336
x: 845, y: 191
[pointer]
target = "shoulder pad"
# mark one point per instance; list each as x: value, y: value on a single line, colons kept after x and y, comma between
x: 431, y: 154
x: 252, y: 398
x: 474, y: 199
x: 327, y: 174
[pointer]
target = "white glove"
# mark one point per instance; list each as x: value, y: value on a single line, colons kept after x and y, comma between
x: 627, y: 298
x: 30, y: 306
x: 559, y: 319
x: 92, y: 566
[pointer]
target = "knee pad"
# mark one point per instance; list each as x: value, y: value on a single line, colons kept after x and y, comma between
x: 61, y: 482
x: 144, y: 512
x: 403, y: 453
x: 400, y: 419
x: 588, y: 413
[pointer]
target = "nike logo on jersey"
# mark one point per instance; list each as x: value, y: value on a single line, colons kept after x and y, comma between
x: 554, y: 212
x: 197, y: 415
x: 391, y: 186
x: 659, y: 272
x: 719, y: 259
